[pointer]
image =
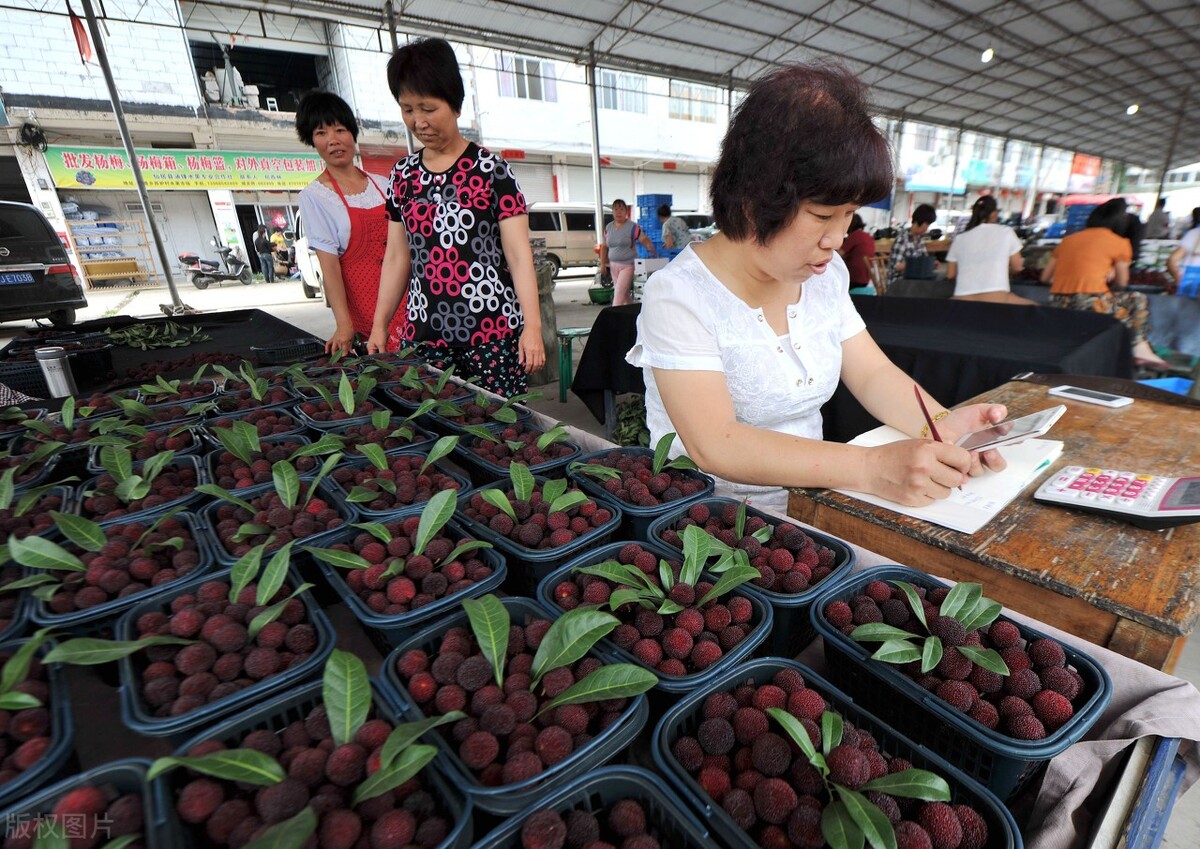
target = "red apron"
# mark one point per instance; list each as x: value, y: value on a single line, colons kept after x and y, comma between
x: 361, y: 263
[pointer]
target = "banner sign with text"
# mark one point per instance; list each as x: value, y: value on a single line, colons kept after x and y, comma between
x: 109, y: 168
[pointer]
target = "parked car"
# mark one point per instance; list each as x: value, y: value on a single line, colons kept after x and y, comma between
x: 569, y: 230
x: 37, y: 279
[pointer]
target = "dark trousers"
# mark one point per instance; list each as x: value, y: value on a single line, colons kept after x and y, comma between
x: 267, y: 261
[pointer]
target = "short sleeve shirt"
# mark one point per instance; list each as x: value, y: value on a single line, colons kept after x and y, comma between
x: 677, y: 229
x: 982, y: 255
x: 460, y: 290
x: 690, y: 321
x: 904, y: 248
x: 1083, y: 260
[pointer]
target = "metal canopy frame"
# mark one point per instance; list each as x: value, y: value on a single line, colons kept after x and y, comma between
x: 1063, y: 75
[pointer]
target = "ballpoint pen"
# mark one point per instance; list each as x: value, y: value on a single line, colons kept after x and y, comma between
x: 937, y: 437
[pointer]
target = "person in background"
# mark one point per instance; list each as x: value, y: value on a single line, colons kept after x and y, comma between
x: 858, y: 249
x: 1187, y: 255
x: 279, y: 241
x: 676, y: 235
x: 910, y: 241
x: 344, y: 212
x: 458, y: 237
x: 1089, y: 271
x: 618, y: 251
x: 264, y: 249
x: 1158, y: 224
x: 743, y: 337
x: 982, y: 257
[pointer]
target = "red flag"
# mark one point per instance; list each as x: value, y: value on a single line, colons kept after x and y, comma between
x: 81, y: 36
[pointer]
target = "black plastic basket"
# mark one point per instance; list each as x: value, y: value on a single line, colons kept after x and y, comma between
x: 56, y: 759
x: 291, y: 351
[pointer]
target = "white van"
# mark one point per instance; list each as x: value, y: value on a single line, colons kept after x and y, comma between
x: 569, y: 230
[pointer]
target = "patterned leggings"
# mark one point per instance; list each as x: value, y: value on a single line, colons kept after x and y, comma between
x: 496, y: 366
x: 1130, y: 308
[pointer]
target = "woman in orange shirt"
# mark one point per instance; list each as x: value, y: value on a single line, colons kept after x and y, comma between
x: 1089, y: 270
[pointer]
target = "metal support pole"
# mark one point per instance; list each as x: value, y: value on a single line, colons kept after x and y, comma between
x: 1000, y: 173
x: 593, y: 103
x: 1031, y: 193
x: 1162, y: 175
x: 127, y: 140
x: 954, y: 170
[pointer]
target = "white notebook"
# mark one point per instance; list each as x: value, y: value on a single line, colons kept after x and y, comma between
x: 981, y: 498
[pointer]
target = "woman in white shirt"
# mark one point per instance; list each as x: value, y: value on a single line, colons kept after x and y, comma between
x: 983, y: 255
x: 742, y: 338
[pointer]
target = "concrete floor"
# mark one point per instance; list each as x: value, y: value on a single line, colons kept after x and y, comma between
x: 286, y: 301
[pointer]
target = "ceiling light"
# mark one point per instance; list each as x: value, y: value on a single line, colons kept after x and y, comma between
x: 987, y: 56
x: 1132, y: 110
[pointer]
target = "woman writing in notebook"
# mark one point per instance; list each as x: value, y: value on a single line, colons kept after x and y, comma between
x: 742, y: 338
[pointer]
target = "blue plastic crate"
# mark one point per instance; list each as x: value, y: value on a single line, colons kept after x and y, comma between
x: 136, y: 715
x: 510, y: 798
x: 57, y: 758
x: 793, y: 630
x: 653, y: 200
x: 667, y: 820
x: 999, y: 762
x: 686, y: 716
x: 274, y: 715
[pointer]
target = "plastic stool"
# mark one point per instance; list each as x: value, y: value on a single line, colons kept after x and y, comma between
x: 567, y: 335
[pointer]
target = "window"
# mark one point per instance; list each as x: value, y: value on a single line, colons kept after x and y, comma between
x: 531, y: 79
x: 581, y: 221
x: 926, y: 138
x: 694, y: 102
x: 623, y: 92
x: 983, y: 147
x: 1178, y: 177
x: 543, y: 221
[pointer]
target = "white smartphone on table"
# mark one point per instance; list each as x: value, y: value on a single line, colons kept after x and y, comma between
x: 1090, y: 396
x: 1012, y: 431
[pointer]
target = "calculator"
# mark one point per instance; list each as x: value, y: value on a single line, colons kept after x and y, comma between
x: 1147, y: 501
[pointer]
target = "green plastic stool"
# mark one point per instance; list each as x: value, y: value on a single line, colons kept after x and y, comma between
x: 567, y: 335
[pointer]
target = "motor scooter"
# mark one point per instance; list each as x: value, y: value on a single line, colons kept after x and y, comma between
x: 202, y: 273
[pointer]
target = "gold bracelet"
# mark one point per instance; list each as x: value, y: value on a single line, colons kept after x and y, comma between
x: 937, y: 418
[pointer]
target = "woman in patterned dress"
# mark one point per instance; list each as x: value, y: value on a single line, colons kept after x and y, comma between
x: 458, y: 237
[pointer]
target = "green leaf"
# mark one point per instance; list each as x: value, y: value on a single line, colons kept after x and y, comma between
x: 499, y: 500
x: 380, y: 419
x: 346, y: 394
x: 67, y: 413
x: 480, y: 432
x: 739, y: 522
x: 962, y: 597
x: 912, y: 784
x: 794, y: 730
x: 287, y: 483
x: 661, y: 449
x: 611, y: 681
x: 983, y: 614
x: 387, y: 778
x: 762, y: 534
x: 245, y: 570
x: 7, y: 489
x: 17, y: 667
x: 914, y: 601
x: 272, y: 613
x: 89, y: 651
x: 362, y: 495
x: 327, y: 444
x: 695, y: 554
x: 522, y: 481
x: 274, y: 575
x: 26, y: 583
x: 16, y: 701
x: 386, y: 485
x: 247, y: 766
x: 878, y: 632
x: 895, y: 651
x: 683, y: 461
x: 624, y: 596
x: 41, y: 553
x: 555, y: 434
x: 490, y: 623
x: 217, y: 492
x: 569, y: 638
x: 375, y: 454
x: 434, y: 516
x: 117, y: 461
x: 83, y: 532
x: 153, y: 467
x: 595, y: 470
x: 874, y: 823
x: 233, y: 439
x: 375, y: 529
x: 292, y: 833
x: 326, y: 467
x: 730, y: 580
x: 507, y: 415
x: 931, y: 653
x: 403, y: 735
x: 620, y: 573
x: 839, y: 829
x: 987, y: 658
x: 249, y: 529
x: 552, y: 490
x: 462, y: 548
x: 346, y: 691
x: 565, y: 502
x: 668, y: 608
x: 133, y: 488
x: 666, y: 576
x: 439, y: 450
x: 831, y: 730
x: 338, y: 558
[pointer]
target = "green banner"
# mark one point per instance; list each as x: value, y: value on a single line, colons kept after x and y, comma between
x: 109, y: 168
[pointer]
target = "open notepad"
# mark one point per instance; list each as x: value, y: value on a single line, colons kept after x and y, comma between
x: 981, y: 498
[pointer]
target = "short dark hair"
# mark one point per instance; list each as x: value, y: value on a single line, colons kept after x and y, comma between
x: 429, y: 68
x: 981, y: 211
x: 924, y: 214
x: 803, y: 133
x: 664, y: 211
x: 323, y: 109
x: 856, y: 223
x: 619, y: 202
x: 1111, y: 215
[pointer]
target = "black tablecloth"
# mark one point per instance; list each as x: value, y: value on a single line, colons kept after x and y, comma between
x: 955, y: 349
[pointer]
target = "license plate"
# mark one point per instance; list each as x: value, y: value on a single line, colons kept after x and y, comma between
x: 15, y: 277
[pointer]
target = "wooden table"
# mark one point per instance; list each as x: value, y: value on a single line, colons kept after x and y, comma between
x: 1131, y: 590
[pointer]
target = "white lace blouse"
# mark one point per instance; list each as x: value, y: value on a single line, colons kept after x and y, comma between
x: 690, y: 321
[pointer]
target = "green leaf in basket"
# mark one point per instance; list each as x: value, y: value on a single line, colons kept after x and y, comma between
x: 739, y: 521
x: 555, y: 434
x: 481, y: 432
x: 407, y: 733
x: 912, y: 784
x: 983, y: 614
x: 338, y: 558
x: 839, y: 828
x: 897, y: 651
x: 730, y: 580
x: 133, y: 488
x: 961, y: 598
x: 233, y: 439
x: 499, y: 500
x: 375, y: 529
x: 662, y: 448
x: 612, y: 681
x: 154, y: 527
x: 17, y: 701
x: 17, y: 667
x: 83, y: 532
x: 246, y: 530
x: 287, y: 482
x: 326, y: 467
x: 245, y: 570
x: 669, y: 608
x: 666, y: 576
x: 439, y: 450
x: 7, y: 488
x: 434, y: 516
x: 362, y: 495
x: 387, y: 778
x: 274, y: 574
x: 799, y: 735
x: 522, y: 481
x: 25, y: 583
x: 89, y: 651
x: 565, y: 502
x: 380, y: 419
x: 153, y: 467
x: 346, y: 691
x: 876, y: 827
x: 874, y: 632
x: 931, y: 653
x: 463, y: 547
x: 914, y: 601
x: 832, y: 727
x: 683, y: 461
x: 695, y: 554
x: 247, y: 766
x: 507, y: 415
x: 553, y: 490
x: 625, y: 596
x: 292, y: 833
x: 273, y: 612
x: 620, y: 573
x: 225, y: 495
x: 490, y: 623
x: 375, y: 454
x: 327, y: 444
x: 762, y: 534
x: 569, y: 638
x: 117, y: 461
x: 346, y: 394
x: 41, y: 553
x: 987, y: 658
x: 594, y: 470
x: 67, y: 413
